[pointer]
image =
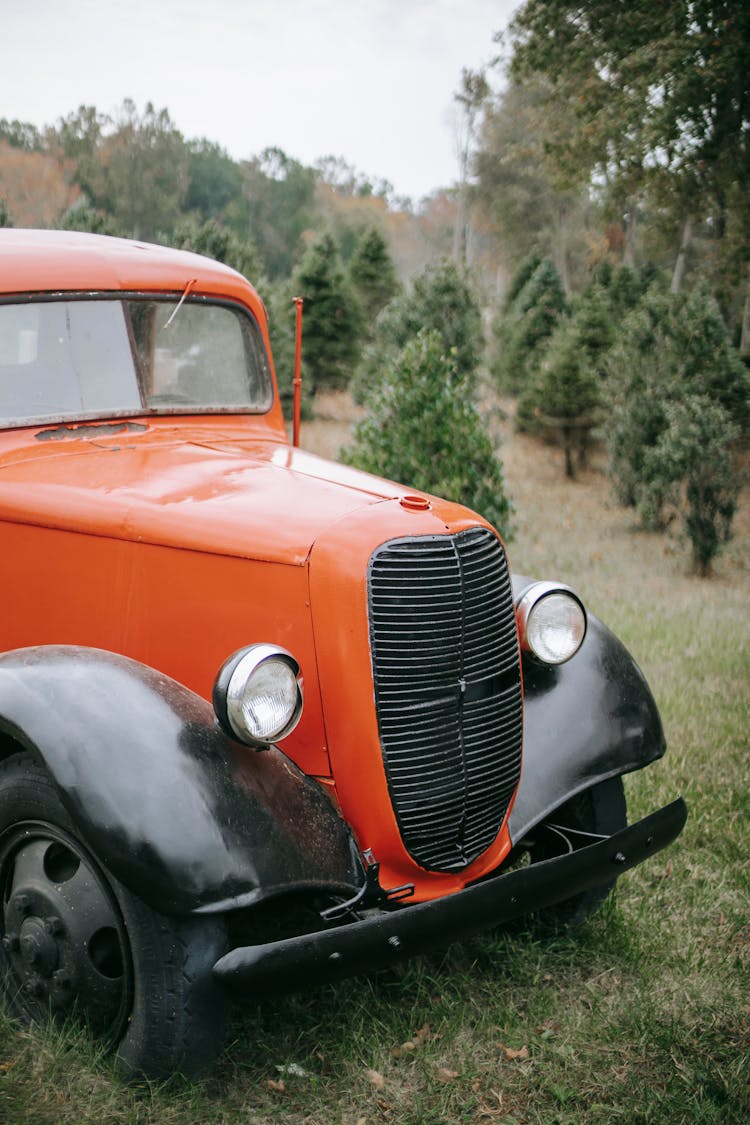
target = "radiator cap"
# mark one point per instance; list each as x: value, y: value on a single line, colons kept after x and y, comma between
x: 415, y: 503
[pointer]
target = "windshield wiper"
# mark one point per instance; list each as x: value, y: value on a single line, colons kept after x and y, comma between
x: 188, y: 288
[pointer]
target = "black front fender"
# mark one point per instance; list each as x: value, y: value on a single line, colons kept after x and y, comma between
x: 183, y: 816
x: 584, y: 721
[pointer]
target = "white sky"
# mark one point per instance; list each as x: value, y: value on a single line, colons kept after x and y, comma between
x: 369, y: 80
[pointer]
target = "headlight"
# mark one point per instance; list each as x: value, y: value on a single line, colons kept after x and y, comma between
x: 551, y: 622
x: 257, y: 694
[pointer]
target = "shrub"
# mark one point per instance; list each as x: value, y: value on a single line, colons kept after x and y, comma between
x: 690, y: 468
x: 423, y: 428
x: 564, y: 392
x: 671, y: 346
x: 522, y: 331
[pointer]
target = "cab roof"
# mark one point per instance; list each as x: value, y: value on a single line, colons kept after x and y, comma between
x: 52, y: 261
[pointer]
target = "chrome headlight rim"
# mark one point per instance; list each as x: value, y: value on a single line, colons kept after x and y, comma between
x: 233, y: 682
x: 529, y: 602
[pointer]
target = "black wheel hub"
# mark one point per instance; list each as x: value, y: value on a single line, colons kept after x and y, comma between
x: 64, y: 942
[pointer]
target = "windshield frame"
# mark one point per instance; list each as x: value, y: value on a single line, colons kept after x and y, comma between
x: 166, y: 296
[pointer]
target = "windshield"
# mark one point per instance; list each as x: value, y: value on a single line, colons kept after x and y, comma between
x: 78, y: 358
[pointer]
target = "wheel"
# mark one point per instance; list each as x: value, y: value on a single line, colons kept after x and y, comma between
x: 595, y: 812
x: 75, y: 941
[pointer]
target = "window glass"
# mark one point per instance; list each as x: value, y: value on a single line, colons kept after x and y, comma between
x: 77, y: 358
x: 65, y: 358
x: 199, y: 354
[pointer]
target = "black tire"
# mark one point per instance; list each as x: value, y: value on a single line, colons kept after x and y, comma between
x: 74, y: 940
x: 598, y: 811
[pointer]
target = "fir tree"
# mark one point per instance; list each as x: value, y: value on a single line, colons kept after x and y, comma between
x: 372, y: 275
x: 422, y: 428
x: 523, y: 330
x: 332, y: 316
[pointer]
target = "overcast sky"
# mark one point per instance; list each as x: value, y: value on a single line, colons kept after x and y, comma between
x: 369, y: 80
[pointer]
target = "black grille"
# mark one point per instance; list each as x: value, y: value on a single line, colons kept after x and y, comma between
x: 447, y: 690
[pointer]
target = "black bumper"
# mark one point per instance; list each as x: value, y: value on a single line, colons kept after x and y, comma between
x: 379, y: 939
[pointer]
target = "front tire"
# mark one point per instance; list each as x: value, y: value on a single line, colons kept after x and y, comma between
x: 595, y: 813
x: 74, y: 940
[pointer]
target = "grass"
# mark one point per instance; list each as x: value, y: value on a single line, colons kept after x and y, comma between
x: 640, y: 1016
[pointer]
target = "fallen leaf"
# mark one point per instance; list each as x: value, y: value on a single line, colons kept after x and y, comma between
x: 513, y: 1052
x: 445, y: 1075
x: 376, y: 1078
x: 279, y: 1086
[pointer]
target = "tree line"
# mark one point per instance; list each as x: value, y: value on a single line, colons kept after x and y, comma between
x: 600, y: 224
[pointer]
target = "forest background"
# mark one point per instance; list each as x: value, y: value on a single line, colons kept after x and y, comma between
x: 599, y: 229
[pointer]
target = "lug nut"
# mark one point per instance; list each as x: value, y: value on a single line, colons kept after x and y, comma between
x: 54, y: 926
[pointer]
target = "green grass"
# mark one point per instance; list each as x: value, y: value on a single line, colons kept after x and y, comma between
x: 640, y: 1016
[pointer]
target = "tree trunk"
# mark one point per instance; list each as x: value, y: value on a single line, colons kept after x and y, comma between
x: 681, y: 264
x: 745, y: 335
x: 459, y: 230
x: 631, y: 229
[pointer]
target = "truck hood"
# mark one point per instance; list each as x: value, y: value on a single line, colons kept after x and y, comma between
x: 201, y: 488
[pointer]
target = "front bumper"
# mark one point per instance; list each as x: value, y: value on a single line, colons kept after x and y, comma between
x: 379, y: 939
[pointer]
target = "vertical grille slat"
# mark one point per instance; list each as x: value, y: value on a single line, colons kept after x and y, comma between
x: 447, y: 690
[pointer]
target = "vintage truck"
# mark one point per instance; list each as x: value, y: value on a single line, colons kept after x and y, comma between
x: 265, y: 721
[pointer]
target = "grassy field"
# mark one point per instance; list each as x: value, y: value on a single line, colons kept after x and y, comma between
x: 642, y: 1015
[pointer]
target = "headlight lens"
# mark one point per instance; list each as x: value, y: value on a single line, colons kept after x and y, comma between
x: 258, y: 695
x: 551, y: 622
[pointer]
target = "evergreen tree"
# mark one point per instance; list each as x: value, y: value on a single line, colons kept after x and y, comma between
x: 672, y: 348
x: 441, y: 299
x: 214, y: 240
x: 690, y: 469
x: 372, y: 275
x: 564, y: 394
x: 332, y: 316
x: 522, y: 332
x: 423, y: 428
x: 524, y: 272
x: 82, y: 216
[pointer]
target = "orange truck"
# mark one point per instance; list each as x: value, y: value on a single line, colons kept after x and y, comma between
x: 265, y: 721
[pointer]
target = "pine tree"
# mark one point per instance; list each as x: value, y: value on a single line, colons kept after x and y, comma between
x: 441, y: 299
x: 671, y: 346
x: 678, y: 396
x: 372, y: 275
x: 522, y: 331
x: 422, y: 428
x: 332, y: 317
x: 215, y: 240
